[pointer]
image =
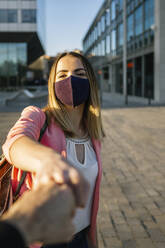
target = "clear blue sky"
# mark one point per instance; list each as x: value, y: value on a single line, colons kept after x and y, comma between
x: 67, y: 21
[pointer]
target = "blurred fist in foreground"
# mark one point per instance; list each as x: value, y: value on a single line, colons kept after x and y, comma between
x: 44, y: 215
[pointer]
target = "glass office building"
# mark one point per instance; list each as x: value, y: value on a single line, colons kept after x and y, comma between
x: 103, y: 43
x: 22, y: 39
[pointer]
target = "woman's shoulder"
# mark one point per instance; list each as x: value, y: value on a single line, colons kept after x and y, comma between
x: 33, y: 113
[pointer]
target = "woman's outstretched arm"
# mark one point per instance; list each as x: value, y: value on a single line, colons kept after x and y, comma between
x: 24, y: 151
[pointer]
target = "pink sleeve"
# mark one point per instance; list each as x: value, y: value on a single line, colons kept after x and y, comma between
x: 29, y: 124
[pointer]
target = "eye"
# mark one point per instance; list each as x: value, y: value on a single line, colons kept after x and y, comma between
x: 62, y: 76
x: 81, y: 74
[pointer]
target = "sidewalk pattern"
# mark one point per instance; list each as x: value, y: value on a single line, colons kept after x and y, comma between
x: 132, y: 207
x: 132, y: 204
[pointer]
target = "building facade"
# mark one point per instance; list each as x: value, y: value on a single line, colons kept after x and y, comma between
x: 145, y: 35
x: 22, y: 39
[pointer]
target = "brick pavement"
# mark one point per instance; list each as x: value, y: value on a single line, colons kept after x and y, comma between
x: 132, y: 204
x: 132, y: 209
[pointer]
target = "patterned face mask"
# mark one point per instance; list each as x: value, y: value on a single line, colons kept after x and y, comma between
x: 72, y: 91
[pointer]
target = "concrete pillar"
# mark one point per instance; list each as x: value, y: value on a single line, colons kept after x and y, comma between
x: 159, y: 29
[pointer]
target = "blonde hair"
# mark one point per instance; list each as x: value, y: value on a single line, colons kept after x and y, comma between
x: 91, y: 115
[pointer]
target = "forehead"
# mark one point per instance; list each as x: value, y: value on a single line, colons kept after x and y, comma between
x: 69, y: 63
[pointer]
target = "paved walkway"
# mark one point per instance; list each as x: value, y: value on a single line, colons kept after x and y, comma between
x: 132, y: 204
x: 132, y: 209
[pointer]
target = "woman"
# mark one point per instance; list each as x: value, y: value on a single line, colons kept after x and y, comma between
x: 74, y: 131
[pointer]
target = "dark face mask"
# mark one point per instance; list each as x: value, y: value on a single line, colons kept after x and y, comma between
x: 72, y: 91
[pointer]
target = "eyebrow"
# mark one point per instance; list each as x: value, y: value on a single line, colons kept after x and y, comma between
x: 76, y: 70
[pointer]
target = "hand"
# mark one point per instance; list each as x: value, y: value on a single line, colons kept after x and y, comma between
x: 44, y: 215
x: 56, y: 168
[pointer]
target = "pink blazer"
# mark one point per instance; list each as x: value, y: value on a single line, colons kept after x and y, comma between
x: 30, y: 123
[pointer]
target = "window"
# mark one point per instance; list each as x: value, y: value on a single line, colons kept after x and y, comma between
x: 108, y: 44
x: 103, y: 23
x: 94, y: 51
x: 12, y: 16
x: 139, y: 21
x: 130, y: 31
x: 93, y: 36
x: 13, y: 61
x: 113, y: 40
x: 90, y: 40
x: 107, y: 17
x: 3, y: 59
x: 136, y: 3
x: 149, y: 14
x: 99, y: 49
x: 29, y: 16
x: 113, y: 10
x: 98, y: 29
x: 87, y: 43
x: 8, y: 16
x: 120, y: 35
x: 95, y: 31
x: 120, y: 4
x: 103, y: 47
x: 132, y: 6
x: 3, y: 16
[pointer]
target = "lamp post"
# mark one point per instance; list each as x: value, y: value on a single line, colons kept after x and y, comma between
x: 125, y: 51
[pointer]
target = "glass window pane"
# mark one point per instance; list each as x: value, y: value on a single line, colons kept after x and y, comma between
x: 3, y: 59
x: 8, y: 16
x: 99, y: 27
x: 130, y: 23
x: 113, y: 10
x: 12, y: 16
x: 120, y: 3
x: 138, y: 21
x: 103, y: 47
x: 107, y: 44
x: 95, y: 32
x: 103, y: 23
x: 99, y: 49
x: 29, y: 16
x: 120, y: 35
x: 22, y: 53
x: 113, y: 40
x: 3, y: 15
x: 12, y: 59
x: 149, y: 14
x: 107, y: 17
x: 13, y: 63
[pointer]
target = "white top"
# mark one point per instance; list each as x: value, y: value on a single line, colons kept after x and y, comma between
x: 90, y: 170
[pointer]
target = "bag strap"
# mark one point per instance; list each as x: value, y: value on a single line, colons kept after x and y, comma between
x: 43, y: 129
